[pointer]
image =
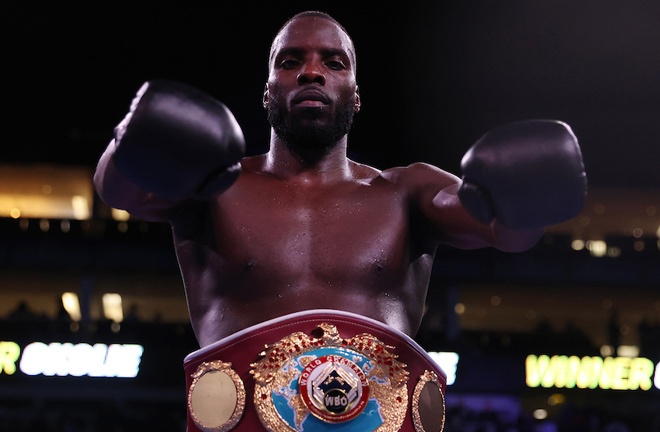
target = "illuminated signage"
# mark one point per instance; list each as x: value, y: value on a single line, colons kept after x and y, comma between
x: 9, y: 353
x: 448, y: 362
x: 609, y: 373
x: 68, y: 359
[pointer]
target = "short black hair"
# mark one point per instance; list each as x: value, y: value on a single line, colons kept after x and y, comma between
x: 317, y: 14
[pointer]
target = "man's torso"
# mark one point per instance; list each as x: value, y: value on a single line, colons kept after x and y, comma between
x: 268, y: 246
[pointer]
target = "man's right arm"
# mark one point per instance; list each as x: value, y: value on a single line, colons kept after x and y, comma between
x: 175, y: 144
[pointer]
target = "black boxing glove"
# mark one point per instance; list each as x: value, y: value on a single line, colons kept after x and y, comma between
x: 178, y: 142
x: 526, y: 174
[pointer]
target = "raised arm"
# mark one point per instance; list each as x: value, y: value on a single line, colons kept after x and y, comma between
x: 517, y: 179
x: 175, y: 144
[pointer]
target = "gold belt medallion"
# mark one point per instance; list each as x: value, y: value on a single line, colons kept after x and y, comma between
x: 309, y: 383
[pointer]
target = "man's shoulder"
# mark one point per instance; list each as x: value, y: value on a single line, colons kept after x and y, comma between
x: 392, y: 173
x: 417, y: 172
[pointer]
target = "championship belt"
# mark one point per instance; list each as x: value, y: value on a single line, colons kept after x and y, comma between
x: 318, y: 370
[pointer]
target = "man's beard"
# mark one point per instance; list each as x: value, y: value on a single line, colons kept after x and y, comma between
x: 299, y: 136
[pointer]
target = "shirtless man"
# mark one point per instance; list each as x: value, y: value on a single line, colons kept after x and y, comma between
x: 302, y: 227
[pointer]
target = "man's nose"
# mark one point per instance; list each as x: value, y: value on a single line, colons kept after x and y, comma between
x: 311, y: 73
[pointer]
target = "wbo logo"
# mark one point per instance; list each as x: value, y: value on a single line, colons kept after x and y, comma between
x: 334, y: 388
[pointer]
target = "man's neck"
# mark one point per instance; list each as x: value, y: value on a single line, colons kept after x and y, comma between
x: 317, y: 165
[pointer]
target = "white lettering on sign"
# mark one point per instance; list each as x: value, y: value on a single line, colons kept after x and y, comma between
x: 615, y: 373
x: 98, y: 360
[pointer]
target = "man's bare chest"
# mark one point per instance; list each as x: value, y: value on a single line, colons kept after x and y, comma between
x: 286, y: 226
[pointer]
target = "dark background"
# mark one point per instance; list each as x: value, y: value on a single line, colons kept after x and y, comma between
x: 433, y: 76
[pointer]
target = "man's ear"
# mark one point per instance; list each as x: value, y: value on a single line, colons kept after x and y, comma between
x: 358, y: 104
x: 264, y: 99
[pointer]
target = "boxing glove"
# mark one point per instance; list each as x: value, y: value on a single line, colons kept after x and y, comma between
x: 178, y: 142
x: 526, y: 174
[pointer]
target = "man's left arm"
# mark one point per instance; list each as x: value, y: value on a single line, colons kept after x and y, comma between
x: 517, y: 179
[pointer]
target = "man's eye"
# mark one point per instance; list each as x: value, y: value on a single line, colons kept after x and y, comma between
x: 335, y: 65
x: 289, y: 64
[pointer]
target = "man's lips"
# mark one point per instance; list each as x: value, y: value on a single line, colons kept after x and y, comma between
x: 311, y: 98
